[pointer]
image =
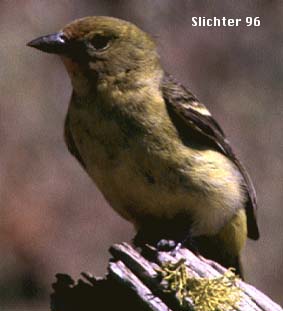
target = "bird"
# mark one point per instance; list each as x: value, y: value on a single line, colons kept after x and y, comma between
x: 152, y: 148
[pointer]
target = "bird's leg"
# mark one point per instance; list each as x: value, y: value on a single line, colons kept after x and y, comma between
x: 166, y: 235
x: 187, y: 242
x: 157, y: 233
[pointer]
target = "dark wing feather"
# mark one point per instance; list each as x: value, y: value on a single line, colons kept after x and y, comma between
x: 188, y: 113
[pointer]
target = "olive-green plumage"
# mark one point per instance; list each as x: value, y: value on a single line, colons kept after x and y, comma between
x: 151, y: 147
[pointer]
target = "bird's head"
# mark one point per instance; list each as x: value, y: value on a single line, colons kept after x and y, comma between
x: 96, y: 47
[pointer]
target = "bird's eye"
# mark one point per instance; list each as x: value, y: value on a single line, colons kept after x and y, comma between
x: 100, y: 42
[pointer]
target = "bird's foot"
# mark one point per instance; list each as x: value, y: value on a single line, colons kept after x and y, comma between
x: 165, y: 245
x: 176, y: 249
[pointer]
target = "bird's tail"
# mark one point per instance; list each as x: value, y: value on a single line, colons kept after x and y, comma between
x: 225, y: 247
x: 213, y: 248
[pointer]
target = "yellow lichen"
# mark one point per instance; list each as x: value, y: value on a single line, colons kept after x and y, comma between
x: 206, y: 294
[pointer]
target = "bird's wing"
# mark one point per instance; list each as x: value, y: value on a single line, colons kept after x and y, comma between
x: 188, y: 114
x: 71, y: 143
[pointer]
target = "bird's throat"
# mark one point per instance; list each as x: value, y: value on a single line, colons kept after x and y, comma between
x: 78, y: 78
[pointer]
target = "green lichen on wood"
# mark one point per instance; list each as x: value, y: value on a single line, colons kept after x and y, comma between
x: 206, y: 294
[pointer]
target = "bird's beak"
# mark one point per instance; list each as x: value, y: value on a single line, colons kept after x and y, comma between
x: 55, y: 43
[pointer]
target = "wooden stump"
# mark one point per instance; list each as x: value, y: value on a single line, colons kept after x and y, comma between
x: 134, y: 283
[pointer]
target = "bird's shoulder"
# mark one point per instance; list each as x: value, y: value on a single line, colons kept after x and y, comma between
x: 190, y: 116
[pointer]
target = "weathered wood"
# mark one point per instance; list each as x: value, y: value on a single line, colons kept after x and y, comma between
x: 121, y: 273
x: 134, y: 283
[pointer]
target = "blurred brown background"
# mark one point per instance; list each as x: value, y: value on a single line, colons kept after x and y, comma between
x: 52, y: 218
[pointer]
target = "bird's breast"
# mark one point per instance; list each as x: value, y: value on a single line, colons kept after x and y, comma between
x: 143, y: 169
